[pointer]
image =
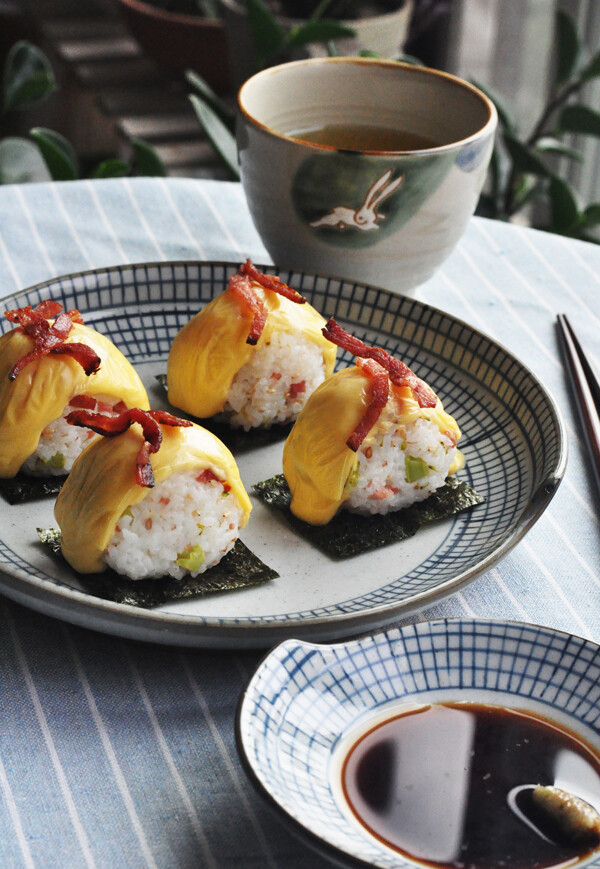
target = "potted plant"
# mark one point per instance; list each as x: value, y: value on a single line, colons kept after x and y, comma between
x: 264, y: 32
x: 180, y: 35
x: 26, y: 82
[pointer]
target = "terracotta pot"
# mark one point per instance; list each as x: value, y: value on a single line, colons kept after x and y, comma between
x: 178, y: 42
x: 384, y: 34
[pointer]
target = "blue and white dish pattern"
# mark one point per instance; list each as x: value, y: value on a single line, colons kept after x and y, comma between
x: 514, y: 443
x: 304, y: 700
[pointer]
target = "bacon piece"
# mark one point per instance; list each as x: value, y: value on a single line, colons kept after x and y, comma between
x: 270, y: 282
x: 49, y: 338
x: 45, y: 310
x: 207, y: 476
x: 297, y: 389
x: 382, y: 493
x: 85, y: 401
x: 90, y: 403
x: 240, y: 285
x: 75, y: 316
x: 451, y: 437
x: 400, y: 374
x: 111, y: 426
x: 379, y: 396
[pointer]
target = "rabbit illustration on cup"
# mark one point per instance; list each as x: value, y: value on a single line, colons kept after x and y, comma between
x: 366, y: 217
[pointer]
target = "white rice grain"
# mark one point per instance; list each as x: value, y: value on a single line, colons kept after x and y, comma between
x: 179, y: 515
x: 276, y: 383
x: 58, y: 447
x: 381, y: 484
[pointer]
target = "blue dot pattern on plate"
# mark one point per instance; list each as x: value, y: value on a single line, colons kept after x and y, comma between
x: 303, y: 698
x: 513, y: 435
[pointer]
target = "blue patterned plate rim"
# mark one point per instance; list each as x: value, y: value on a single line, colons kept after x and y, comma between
x: 349, y: 615
x: 258, y: 710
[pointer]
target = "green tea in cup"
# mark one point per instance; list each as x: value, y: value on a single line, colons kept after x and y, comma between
x: 362, y: 168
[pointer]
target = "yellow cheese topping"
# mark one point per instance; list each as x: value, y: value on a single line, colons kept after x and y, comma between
x: 102, y: 485
x: 39, y: 394
x: 317, y: 464
x: 211, y: 348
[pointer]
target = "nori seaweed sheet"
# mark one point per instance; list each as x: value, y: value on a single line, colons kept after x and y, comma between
x: 21, y: 488
x: 350, y: 534
x: 240, y: 568
x: 236, y: 439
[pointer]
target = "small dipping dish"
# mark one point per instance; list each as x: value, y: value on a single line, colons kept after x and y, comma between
x: 414, y: 746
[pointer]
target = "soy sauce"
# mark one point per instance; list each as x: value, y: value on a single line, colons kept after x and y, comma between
x: 444, y: 785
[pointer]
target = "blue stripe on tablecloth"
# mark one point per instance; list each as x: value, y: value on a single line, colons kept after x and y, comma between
x: 146, y: 745
x: 118, y: 753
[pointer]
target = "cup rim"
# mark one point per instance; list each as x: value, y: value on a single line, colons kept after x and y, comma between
x: 488, y: 127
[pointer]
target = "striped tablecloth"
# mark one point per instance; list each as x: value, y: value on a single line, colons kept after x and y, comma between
x: 115, y: 753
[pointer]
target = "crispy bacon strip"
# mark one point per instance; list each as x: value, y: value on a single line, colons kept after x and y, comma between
x: 90, y: 403
x: 240, y: 285
x: 379, y: 396
x: 46, y: 310
x: 49, y: 338
x: 83, y: 401
x: 111, y: 426
x: 270, y: 282
x: 207, y: 476
x: 399, y: 373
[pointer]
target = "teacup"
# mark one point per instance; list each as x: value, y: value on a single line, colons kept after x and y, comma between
x: 386, y: 208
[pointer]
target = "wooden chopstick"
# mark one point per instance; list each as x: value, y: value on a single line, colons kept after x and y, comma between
x: 587, y: 390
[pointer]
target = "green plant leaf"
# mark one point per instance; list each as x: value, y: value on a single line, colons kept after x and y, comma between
x: 321, y: 9
x: 220, y: 136
x: 591, y: 69
x: 563, y: 205
x: 495, y: 177
x: 580, y: 233
x: 57, y: 152
x: 551, y: 145
x: 527, y: 187
x: 591, y: 216
x: 21, y: 162
x: 209, y: 9
x: 112, y: 168
x: 206, y: 93
x: 28, y: 76
x: 579, y: 119
x: 317, y: 31
x: 268, y: 36
x: 504, y: 115
x: 408, y: 58
x: 486, y: 207
x: 524, y: 159
x: 568, y: 46
x: 146, y: 160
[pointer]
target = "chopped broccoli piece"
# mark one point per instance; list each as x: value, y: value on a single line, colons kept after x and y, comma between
x: 415, y: 469
x: 191, y: 559
x: 56, y: 461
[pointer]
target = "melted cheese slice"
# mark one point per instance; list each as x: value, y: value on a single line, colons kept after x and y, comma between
x: 211, y: 348
x: 102, y: 485
x: 316, y: 461
x: 40, y: 393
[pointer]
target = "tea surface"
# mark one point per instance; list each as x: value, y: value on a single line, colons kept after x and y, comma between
x: 359, y: 137
x: 436, y: 785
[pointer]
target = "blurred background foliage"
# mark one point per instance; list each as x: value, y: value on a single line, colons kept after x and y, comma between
x: 530, y: 173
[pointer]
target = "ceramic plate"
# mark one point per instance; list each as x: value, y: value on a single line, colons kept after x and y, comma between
x: 306, y: 704
x: 513, y: 440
